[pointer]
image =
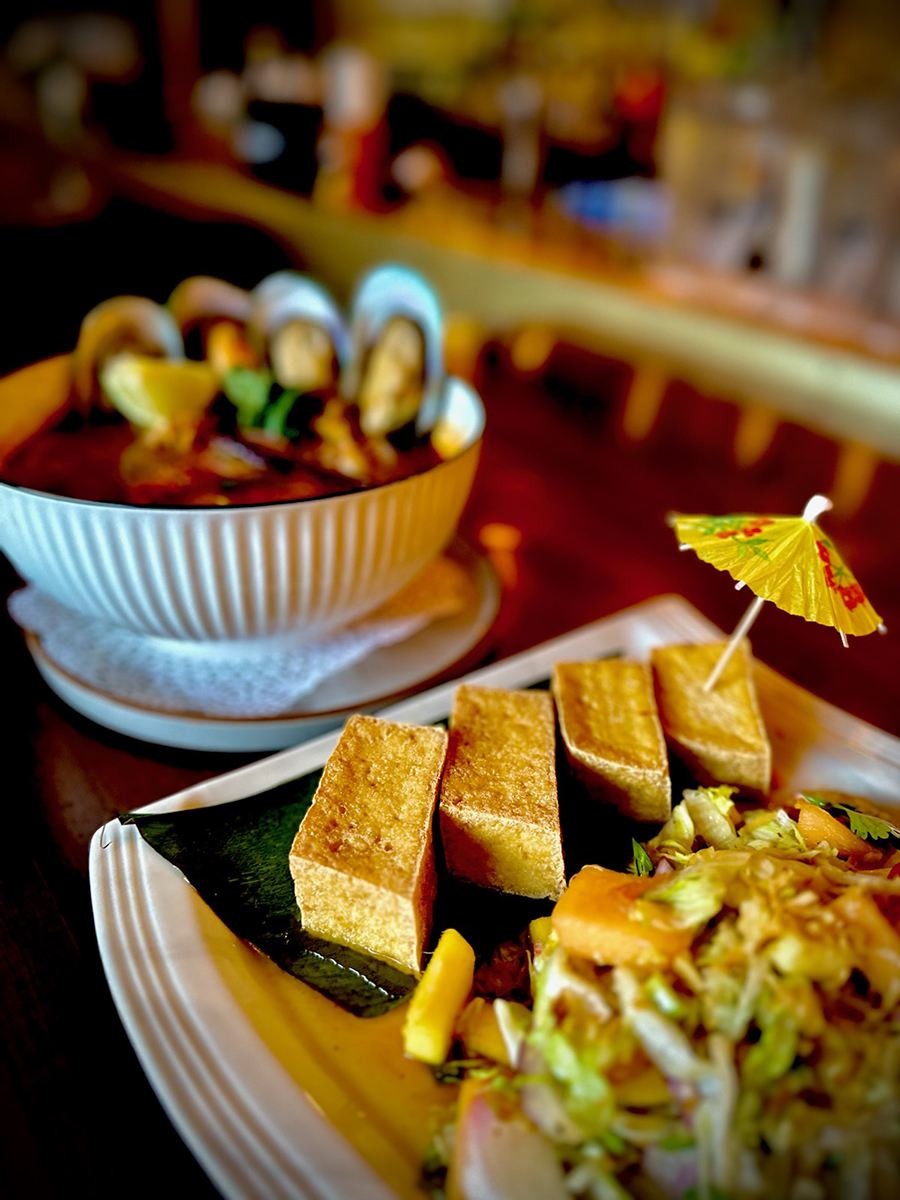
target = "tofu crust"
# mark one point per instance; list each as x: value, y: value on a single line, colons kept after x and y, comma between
x: 363, y: 860
x: 612, y: 735
x: 719, y: 734
x: 499, y: 809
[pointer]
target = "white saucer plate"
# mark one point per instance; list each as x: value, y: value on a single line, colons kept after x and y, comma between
x: 384, y: 676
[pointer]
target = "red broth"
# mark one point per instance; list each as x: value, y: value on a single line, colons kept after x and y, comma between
x: 84, y: 463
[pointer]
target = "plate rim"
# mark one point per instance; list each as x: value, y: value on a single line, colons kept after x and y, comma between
x: 328, y: 1165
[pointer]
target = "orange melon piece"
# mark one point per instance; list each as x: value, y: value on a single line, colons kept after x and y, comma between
x: 816, y: 825
x: 595, y: 919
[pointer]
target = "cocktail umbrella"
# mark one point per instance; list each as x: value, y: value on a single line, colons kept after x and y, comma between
x: 787, y: 560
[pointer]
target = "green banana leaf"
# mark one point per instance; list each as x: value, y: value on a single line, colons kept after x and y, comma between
x: 236, y: 857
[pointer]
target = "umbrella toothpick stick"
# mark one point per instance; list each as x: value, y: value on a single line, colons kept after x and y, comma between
x: 815, y: 506
x: 788, y: 560
x: 734, y: 641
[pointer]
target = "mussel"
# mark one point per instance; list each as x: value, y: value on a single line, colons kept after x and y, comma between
x: 214, y: 314
x: 278, y: 284
x: 122, y: 324
x: 396, y: 375
x: 392, y: 384
x: 303, y: 331
x: 202, y: 297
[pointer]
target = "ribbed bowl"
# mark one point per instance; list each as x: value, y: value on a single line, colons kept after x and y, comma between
x: 249, y: 571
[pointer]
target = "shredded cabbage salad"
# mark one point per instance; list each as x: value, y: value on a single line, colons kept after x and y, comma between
x: 721, y: 1023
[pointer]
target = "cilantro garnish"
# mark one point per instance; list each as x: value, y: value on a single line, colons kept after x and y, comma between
x: 642, y: 863
x: 866, y: 826
x: 862, y: 824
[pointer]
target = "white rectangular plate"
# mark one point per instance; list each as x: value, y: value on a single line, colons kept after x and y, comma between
x: 244, y: 1079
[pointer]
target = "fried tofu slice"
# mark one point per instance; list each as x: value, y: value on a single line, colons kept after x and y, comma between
x: 363, y: 858
x: 499, y: 810
x: 720, y: 733
x: 612, y: 735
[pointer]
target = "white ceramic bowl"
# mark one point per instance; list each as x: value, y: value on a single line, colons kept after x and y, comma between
x: 247, y: 571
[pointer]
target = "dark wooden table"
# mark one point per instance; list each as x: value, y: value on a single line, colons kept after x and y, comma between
x: 589, y: 508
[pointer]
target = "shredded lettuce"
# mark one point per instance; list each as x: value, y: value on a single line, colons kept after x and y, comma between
x: 703, y: 812
x: 591, y: 1179
x: 663, y: 1041
x: 569, y: 1018
x: 773, y: 1055
x: 729, y: 997
x: 709, y: 809
x: 761, y: 1060
x: 666, y: 999
x: 822, y: 961
x: 772, y: 831
x: 676, y: 838
x: 721, y: 797
x: 590, y: 1099
x: 695, y: 895
x: 556, y: 979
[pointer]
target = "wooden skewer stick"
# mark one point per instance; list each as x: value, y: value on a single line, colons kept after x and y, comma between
x: 734, y: 641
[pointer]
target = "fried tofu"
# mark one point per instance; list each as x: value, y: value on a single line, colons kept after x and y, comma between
x: 499, y: 809
x: 612, y: 735
x: 363, y: 858
x: 720, y: 733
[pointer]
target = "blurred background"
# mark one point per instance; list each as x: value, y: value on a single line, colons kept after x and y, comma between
x: 666, y: 234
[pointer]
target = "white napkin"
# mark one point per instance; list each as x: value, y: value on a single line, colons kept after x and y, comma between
x: 252, y: 678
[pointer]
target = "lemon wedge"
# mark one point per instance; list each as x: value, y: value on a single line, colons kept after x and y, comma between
x: 123, y: 324
x: 166, y: 399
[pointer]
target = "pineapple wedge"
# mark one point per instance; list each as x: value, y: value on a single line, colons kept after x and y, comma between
x: 538, y: 931
x: 439, y: 999
x: 480, y: 1034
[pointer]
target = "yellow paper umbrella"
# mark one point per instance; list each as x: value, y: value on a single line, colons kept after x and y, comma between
x: 787, y: 560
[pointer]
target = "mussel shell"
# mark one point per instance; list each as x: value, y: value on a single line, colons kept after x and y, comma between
x: 202, y: 297
x: 275, y: 285
x: 290, y: 296
x: 395, y: 291
x: 121, y: 323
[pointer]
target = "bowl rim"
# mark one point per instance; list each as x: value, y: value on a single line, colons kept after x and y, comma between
x: 469, y: 390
